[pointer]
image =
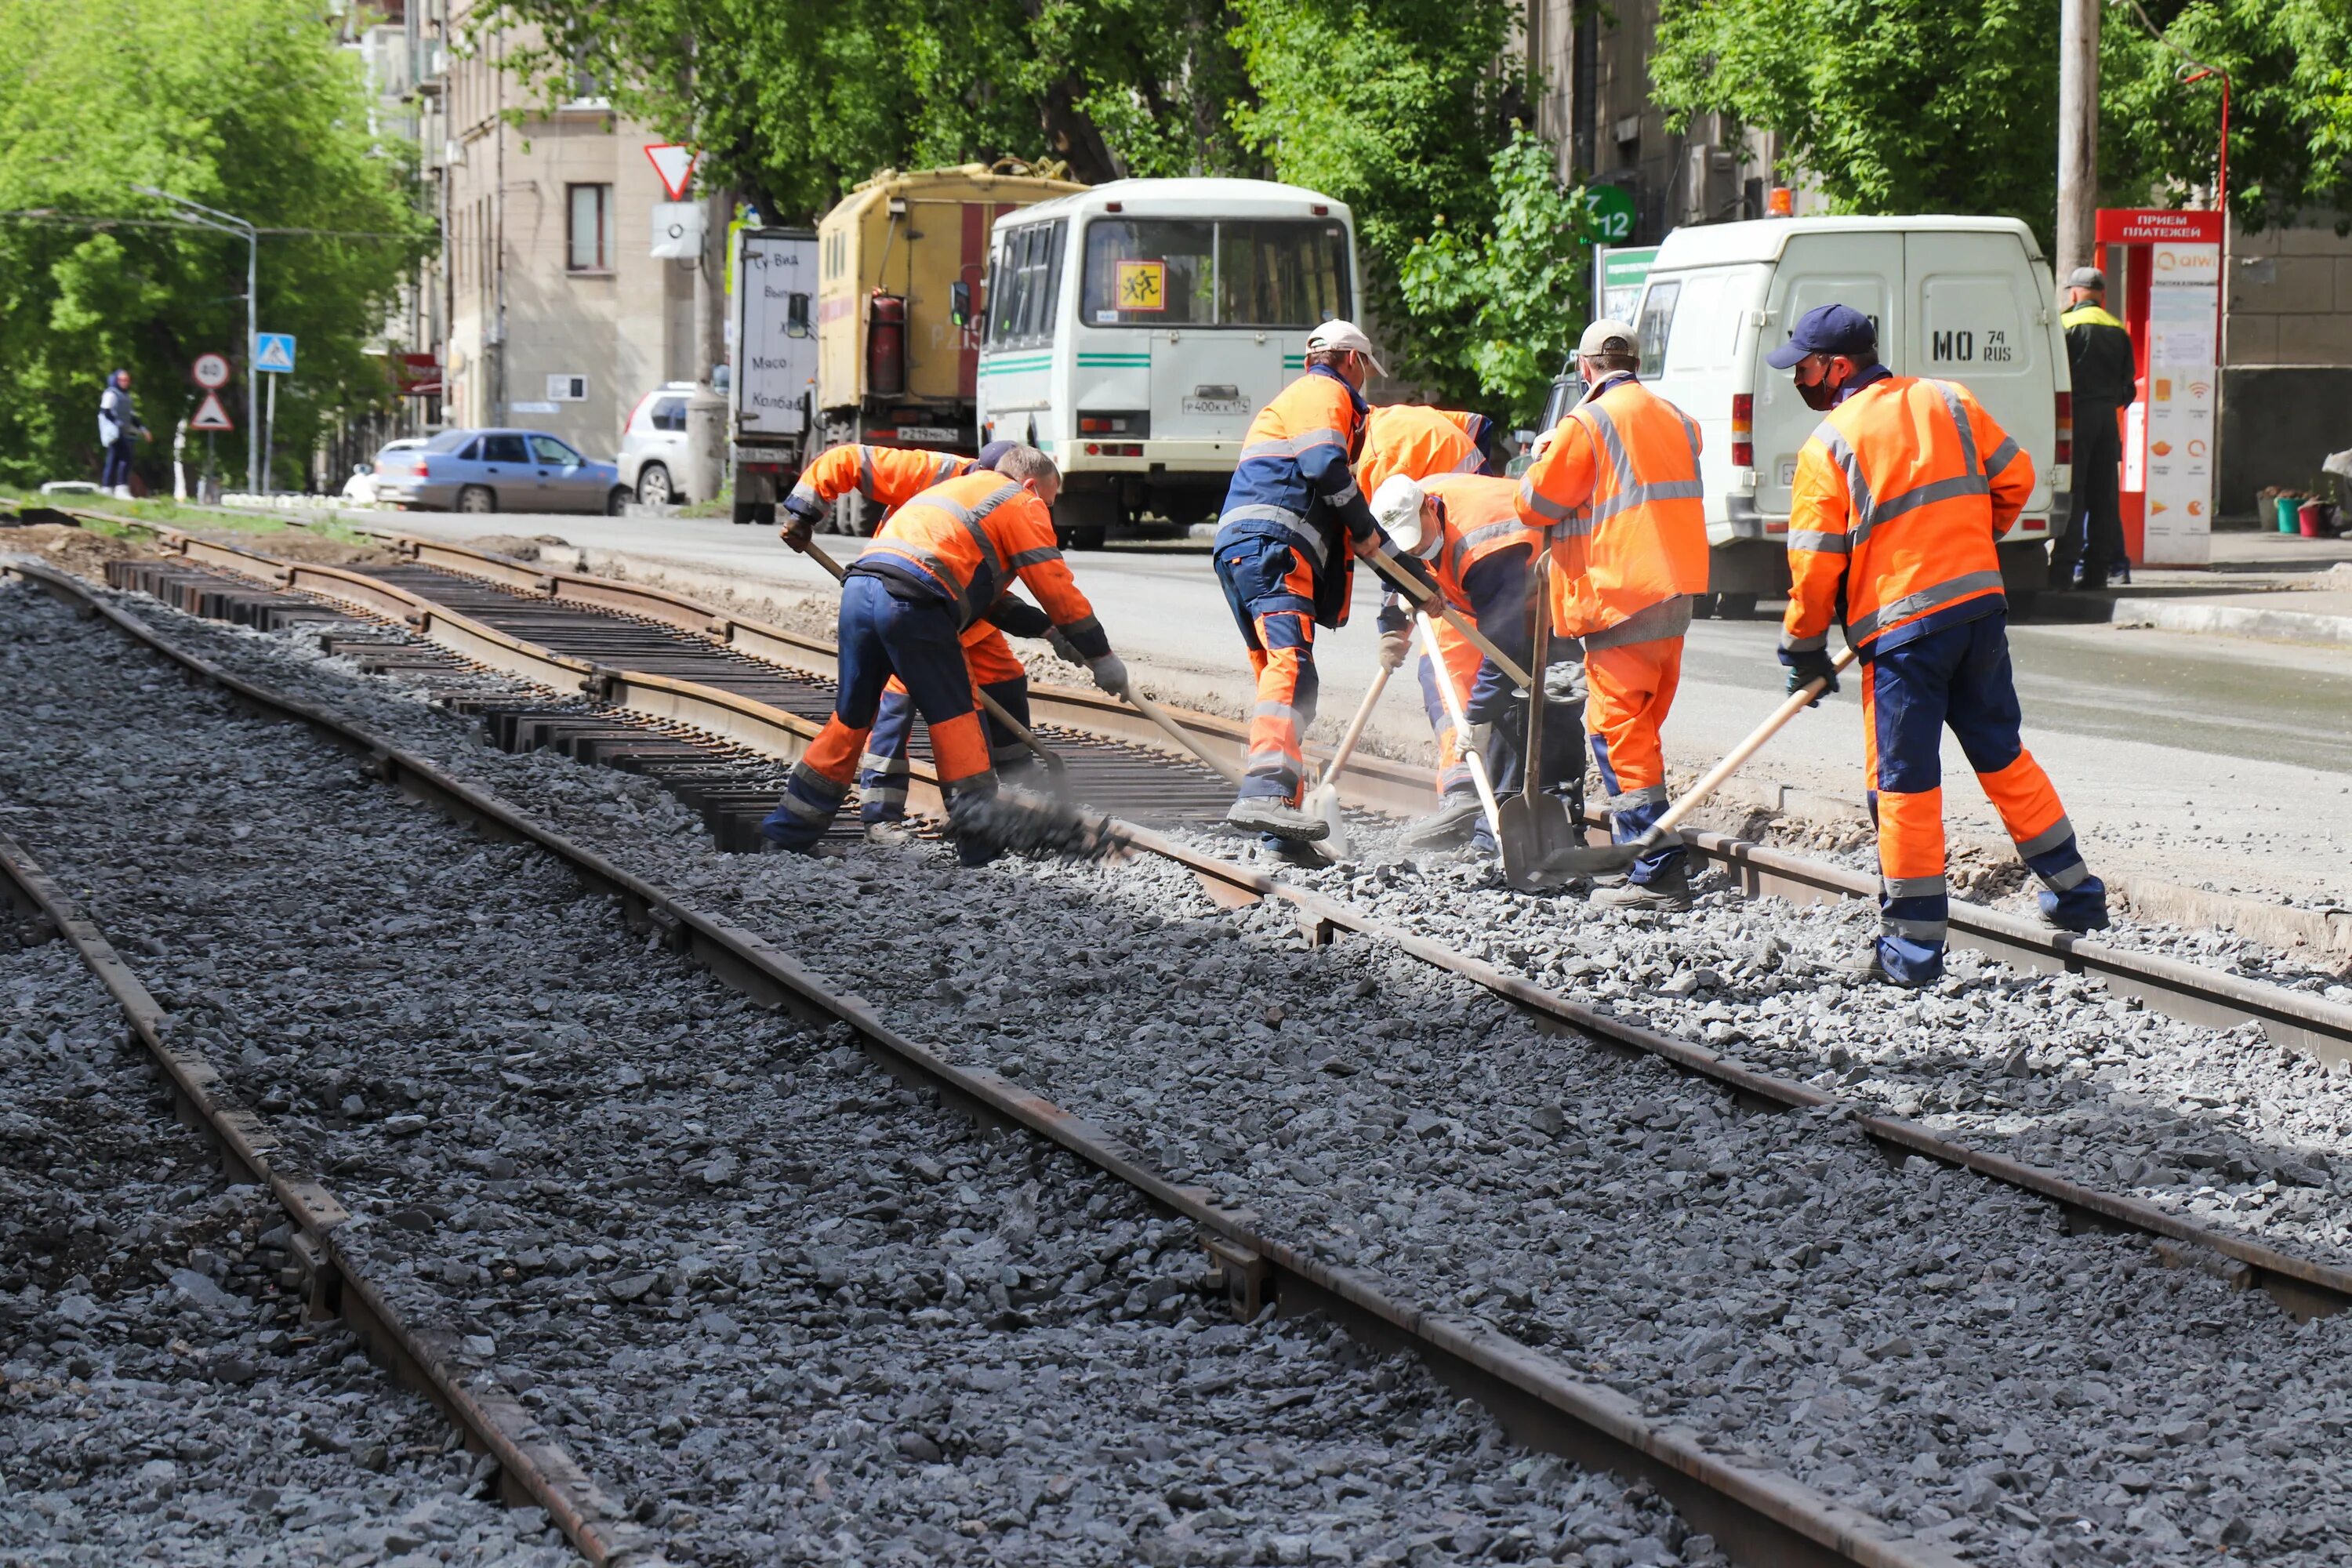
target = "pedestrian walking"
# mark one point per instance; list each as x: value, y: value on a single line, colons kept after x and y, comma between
x: 2099, y: 356
x: 1617, y: 490
x: 1900, y: 495
x: 119, y: 429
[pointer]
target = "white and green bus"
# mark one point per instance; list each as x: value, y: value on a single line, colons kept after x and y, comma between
x: 1132, y: 330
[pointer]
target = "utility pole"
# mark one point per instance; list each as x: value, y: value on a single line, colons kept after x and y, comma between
x: 2078, y: 134
x: 226, y: 222
x: 706, y: 411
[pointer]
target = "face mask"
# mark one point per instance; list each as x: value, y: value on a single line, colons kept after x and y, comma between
x: 1821, y: 397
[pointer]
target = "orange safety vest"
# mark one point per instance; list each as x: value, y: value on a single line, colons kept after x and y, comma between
x: 1899, y: 497
x: 971, y: 537
x: 886, y: 475
x: 1482, y: 519
x: 1419, y: 443
x: 1618, y: 493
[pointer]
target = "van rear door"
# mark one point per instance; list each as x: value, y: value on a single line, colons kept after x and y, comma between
x: 1976, y: 316
x: 1863, y: 269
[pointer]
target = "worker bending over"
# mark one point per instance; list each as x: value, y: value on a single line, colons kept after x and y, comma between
x: 1900, y: 495
x: 890, y: 476
x: 1617, y: 487
x: 1293, y: 523
x: 1465, y: 530
x: 939, y: 564
x: 1421, y: 443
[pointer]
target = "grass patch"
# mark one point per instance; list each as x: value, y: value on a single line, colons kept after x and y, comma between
x: 99, y: 514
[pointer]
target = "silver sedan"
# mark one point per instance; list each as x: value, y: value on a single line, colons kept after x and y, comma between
x: 499, y: 470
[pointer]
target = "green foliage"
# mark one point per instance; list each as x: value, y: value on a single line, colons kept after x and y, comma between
x: 1519, y: 291
x: 247, y: 105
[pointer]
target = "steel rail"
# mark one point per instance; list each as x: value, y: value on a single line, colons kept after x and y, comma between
x: 1761, y: 1516
x: 2300, y: 1285
x: 534, y: 1468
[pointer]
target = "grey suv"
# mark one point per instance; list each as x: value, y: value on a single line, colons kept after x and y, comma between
x: 499, y: 470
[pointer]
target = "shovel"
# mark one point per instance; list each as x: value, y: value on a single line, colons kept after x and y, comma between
x: 1588, y: 860
x: 1461, y: 723
x: 1324, y: 801
x: 1058, y: 772
x: 1431, y: 603
x: 1536, y: 831
x: 1225, y: 767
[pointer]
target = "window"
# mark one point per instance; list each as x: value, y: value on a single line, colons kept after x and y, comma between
x: 669, y: 412
x: 1150, y: 273
x: 796, y: 318
x: 1147, y: 272
x: 503, y: 449
x: 548, y: 450
x: 1281, y: 274
x: 1025, y: 284
x: 594, y: 231
x: 1657, y: 322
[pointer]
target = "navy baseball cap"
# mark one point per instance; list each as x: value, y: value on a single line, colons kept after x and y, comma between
x: 992, y: 454
x: 1825, y: 330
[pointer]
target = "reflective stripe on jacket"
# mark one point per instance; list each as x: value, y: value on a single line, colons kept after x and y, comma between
x: 1619, y: 494
x: 1293, y: 483
x: 886, y: 475
x: 1900, y: 495
x: 1421, y: 444
x: 967, y: 540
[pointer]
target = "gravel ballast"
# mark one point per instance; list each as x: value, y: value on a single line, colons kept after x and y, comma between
x: 1915, y: 1342
x: 781, y: 1307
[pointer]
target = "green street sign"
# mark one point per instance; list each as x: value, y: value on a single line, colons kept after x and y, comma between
x: 1618, y: 273
x: 1611, y: 207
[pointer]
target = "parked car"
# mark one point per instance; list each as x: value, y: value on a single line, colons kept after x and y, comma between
x: 653, y: 445
x: 499, y: 470
x: 361, y: 486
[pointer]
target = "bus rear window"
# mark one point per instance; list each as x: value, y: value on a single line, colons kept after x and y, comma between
x: 1281, y: 274
x: 1025, y: 285
x: 1150, y: 273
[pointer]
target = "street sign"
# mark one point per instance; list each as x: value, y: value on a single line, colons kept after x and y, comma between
x: 1611, y: 207
x: 1618, y: 273
x: 210, y: 371
x: 273, y: 351
x: 677, y: 230
x: 675, y: 164
x: 210, y: 415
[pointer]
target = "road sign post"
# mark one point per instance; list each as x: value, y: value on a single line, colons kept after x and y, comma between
x: 273, y: 354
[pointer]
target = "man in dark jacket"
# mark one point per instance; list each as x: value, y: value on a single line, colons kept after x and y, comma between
x: 2099, y: 352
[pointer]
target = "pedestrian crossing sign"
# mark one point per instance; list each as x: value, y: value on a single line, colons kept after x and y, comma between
x: 210, y: 415
x: 273, y: 351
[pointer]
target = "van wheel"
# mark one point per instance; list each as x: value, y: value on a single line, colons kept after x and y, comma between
x: 1734, y: 606
x: 477, y: 497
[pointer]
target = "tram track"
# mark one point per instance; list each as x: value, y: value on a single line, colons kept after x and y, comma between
x: 1252, y: 884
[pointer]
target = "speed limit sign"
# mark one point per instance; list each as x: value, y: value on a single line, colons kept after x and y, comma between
x: 211, y: 372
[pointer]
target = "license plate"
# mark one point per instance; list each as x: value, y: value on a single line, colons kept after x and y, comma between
x: 1235, y: 405
x: 946, y: 435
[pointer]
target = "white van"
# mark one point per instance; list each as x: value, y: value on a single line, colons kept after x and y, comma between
x: 1959, y: 299
x: 1133, y: 328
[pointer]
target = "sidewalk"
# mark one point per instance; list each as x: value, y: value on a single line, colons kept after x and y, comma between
x: 2272, y: 587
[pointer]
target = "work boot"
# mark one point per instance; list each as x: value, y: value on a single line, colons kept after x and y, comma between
x: 1264, y: 814
x: 2059, y: 914
x: 1668, y: 892
x: 1457, y: 814
x: 1869, y: 969
x: 891, y: 832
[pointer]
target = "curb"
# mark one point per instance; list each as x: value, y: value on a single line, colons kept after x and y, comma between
x: 2232, y: 620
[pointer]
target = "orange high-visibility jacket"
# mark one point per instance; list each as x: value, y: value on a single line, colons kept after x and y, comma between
x: 969, y: 539
x: 886, y: 475
x: 1900, y: 495
x: 1419, y: 443
x: 1618, y: 492
x: 1482, y: 520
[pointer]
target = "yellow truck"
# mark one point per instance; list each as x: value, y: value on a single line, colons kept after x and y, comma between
x: 902, y: 261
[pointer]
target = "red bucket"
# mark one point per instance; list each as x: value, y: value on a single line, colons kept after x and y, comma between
x: 2313, y: 517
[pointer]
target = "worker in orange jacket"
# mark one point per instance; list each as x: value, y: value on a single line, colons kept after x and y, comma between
x: 939, y: 564
x: 1465, y: 531
x: 1617, y: 487
x: 1900, y: 495
x: 1421, y: 443
x: 890, y: 476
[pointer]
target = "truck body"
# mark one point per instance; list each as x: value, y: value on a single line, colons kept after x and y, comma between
x: 1957, y: 298
x: 772, y: 380
x: 902, y: 261
x: 1135, y: 327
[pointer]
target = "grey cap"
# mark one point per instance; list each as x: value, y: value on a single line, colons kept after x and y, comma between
x: 2087, y: 278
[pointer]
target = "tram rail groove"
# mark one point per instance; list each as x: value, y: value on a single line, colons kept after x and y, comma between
x: 531, y: 1468
x: 2300, y: 1287
x: 1757, y: 1516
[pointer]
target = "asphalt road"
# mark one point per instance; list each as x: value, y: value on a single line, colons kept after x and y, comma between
x: 2210, y: 760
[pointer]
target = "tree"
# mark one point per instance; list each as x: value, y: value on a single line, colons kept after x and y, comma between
x: 245, y: 105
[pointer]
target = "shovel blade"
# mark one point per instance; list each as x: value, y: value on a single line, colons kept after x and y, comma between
x: 1538, y: 842
x: 1325, y: 803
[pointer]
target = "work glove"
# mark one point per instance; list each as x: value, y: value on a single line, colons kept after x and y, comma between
x: 1804, y: 668
x: 1110, y: 673
x: 1395, y: 645
x: 800, y: 522
x: 1063, y: 648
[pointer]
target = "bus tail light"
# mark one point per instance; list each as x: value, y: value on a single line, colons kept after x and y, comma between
x: 1743, y: 429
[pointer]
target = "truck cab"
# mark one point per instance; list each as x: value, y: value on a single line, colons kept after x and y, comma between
x: 1134, y: 328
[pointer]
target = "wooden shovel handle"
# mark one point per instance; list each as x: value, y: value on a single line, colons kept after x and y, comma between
x: 1798, y: 701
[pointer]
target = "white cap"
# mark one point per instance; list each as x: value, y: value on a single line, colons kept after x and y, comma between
x: 1344, y: 335
x: 1397, y: 508
x: 1606, y: 336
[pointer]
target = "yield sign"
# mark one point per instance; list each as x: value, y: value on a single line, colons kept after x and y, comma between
x: 210, y: 415
x: 675, y: 164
